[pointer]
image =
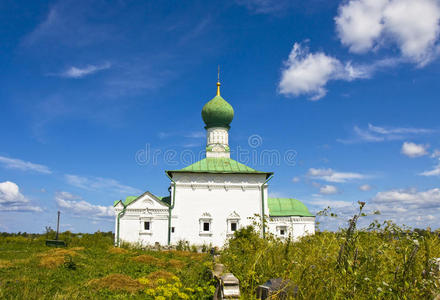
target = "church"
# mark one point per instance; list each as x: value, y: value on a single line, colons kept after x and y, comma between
x: 210, y: 199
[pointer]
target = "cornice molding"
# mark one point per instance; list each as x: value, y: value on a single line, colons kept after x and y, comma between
x: 291, y: 219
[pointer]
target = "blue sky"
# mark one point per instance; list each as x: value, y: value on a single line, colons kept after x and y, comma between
x: 344, y: 92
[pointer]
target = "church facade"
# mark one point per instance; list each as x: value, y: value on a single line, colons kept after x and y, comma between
x: 211, y: 199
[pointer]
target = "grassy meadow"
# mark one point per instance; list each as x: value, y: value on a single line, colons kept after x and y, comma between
x: 91, y: 268
x: 383, y: 261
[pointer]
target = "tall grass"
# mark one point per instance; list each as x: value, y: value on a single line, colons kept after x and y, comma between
x: 383, y: 261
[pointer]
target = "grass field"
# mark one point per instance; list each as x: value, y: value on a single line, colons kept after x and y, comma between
x: 383, y: 261
x: 90, y: 268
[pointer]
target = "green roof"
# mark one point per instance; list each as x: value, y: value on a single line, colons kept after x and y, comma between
x: 130, y: 199
x: 282, y: 207
x: 218, y: 165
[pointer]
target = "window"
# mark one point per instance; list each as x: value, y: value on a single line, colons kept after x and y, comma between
x: 172, y: 229
x: 233, y: 223
x: 282, y: 231
x: 205, y: 228
x: 147, y: 226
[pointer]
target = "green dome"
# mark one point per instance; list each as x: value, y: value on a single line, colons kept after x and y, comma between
x: 217, y: 112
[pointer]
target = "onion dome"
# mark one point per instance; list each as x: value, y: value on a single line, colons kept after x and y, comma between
x: 217, y: 112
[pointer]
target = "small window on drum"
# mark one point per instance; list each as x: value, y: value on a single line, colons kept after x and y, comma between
x: 206, y: 226
x: 233, y: 226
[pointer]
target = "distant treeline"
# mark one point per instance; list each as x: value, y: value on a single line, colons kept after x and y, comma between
x: 51, y: 234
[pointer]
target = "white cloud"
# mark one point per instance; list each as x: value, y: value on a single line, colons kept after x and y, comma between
x: 365, y: 187
x: 398, y: 130
x: 412, y: 26
x: 70, y: 24
x: 191, y: 145
x: 52, y: 19
x: 330, y: 175
x: 328, y: 190
x: 409, y: 199
x: 436, y: 169
x: 324, y: 203
x: 381, y: 134
x: 75, y: 204
x: 99, y: 183
x: 414, y: 150
x: 367, y: 135
x: 75, y: 72
x: 433, y: 172
x: 415, y: 27
x: 12, y: 200
x: 196, y: 30
x: 264, y: 6
x: 10, y: 193
x: 307, y: 73
x: 296, y: 179
x: 403, y: 206
x: 192, y: 135
x: 435, y: 153
x: 195, y: 135
x: 359, y: 23
x: 316, y: 184
x: 15, y: 163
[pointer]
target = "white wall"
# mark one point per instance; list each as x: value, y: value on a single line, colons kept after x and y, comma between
x: 295, y: 227
x: 216, y: 197
x: 213, y: 197
x: 145, y: 209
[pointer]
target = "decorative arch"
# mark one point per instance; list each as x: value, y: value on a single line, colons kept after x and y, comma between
x: 206, y: 215
x: 233, y: 222
x: 205, y: 224
x: 148, y: 202
x: 234, y: 215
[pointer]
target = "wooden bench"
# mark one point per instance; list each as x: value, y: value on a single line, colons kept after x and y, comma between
x: 55, y: 243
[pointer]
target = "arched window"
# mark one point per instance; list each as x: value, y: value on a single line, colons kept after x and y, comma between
x: 233, y: 223
x: 205, y: 225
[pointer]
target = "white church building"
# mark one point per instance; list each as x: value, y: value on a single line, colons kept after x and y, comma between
x: 210, y: 199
